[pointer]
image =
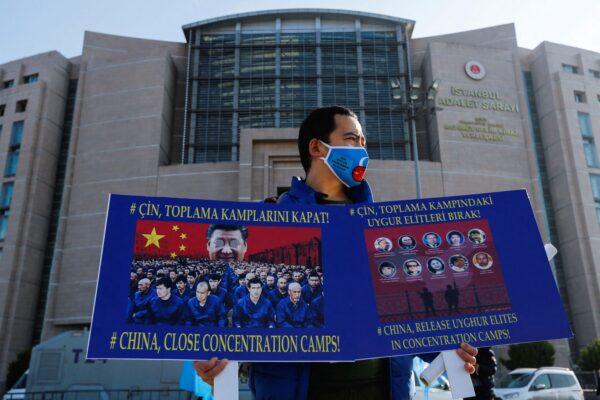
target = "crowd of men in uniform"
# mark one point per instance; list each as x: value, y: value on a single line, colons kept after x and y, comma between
x: 217, y: 293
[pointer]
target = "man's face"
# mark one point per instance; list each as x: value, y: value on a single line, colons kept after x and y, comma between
x: 133, y: 276
x: 406, y: 241
x: 139, y: 271
x: 172, y: 275
x: 287, y: 276
x: 386, y: 270
x: 297, y: 276
x: 270, y: 281
x: 347, y: 132
x: 263, y: 276
x: 226, y: 246
x: 255, y: 291
x: 201, y: 293
x: 180, y: 285
x: 281, y: 284
x: 431, y: 240
x: 482, y: 259
x: 279, y: 274
x: 163, y: 292
x: 190, y: 280
x: 295, y: 294
x: 150, y: 275
x: 476, y: 236
x: 143, y: 287
x: 313, y: 281
x: 213, y: 284
x: 459, y: 262
x: 413, y: 267
x: 455, y: 239
x: 242, y: 281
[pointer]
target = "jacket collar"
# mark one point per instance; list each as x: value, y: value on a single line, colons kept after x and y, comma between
x: 305, y: 194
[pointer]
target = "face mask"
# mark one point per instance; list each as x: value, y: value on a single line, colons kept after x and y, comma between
x: 348, y: 164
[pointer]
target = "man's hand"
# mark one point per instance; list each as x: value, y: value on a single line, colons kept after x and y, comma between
x: 468, y: 353
x: 207, y: 370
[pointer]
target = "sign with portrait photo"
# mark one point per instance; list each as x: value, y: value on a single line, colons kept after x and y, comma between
x: 192, y: 279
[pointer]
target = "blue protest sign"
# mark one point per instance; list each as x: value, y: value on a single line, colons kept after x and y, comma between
x: 192, y: 279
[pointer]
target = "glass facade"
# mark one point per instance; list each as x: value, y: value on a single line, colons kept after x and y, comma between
x: 12, y: 159
x: 585, y: 126
x: 273, y: 79
x: 6, y: 195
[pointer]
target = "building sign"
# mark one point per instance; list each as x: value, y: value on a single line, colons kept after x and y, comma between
x: 481, y: 129
x: 475, y: 70
x: 482, y: 99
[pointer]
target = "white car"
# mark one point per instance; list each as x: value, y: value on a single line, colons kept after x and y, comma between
x: 552, y: 383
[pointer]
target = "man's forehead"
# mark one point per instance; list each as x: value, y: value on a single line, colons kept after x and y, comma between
x: 220, y: 233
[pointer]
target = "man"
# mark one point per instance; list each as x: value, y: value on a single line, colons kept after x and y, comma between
x: 455, y: 239
x: 317, y: 315
x: 476, y: 236
x: 173, y: 276
x: 138, y: 307
x: 412, y: 268
x: 297, y: 277
x: 432, y: 240
x: 191, y: 282
x: 206, y: 309
x: 214, y: 281
x: 242, y: 290
x: 387, y: 269
x: 482, y: 260
x: 458, y: 263
x: 270, y: 284
x: 279, y: 293
x: 263, y: 277
x: 254, y: 310
x: 451, y: 296
x: 427, y: 298
x: 293, y: 312
x: 133, y: 284
x: 407, y: 243
x: 166, y: 309
x: 150, y: 276
x: 227, y: 243
x: 323, y: 128
x: 181, y: 289
x: 313, y: 289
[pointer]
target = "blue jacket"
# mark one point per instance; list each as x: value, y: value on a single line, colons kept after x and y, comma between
x: 289, y: 381
x: 293, y: 316
x: 211, y: 314
x: 307, y: 294
x: 224, y: 297
x: 248, y: 314
x: 316, y: 310
x: 276, y: 296
x: 138, y: 307
x: 167, y: 312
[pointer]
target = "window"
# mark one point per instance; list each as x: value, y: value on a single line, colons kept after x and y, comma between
x: 543, y: 379
x: 595, y: 73
x: 595, y: 181
x: 579, y: 97
x: 21, y: 106
x: 8, y: 84
x: 562, y: 380
x: 585, y: 126
x: 570, y: 69
x: 30, y: 78
x: 12, y: 159
x: 2, y: 108
x: 589, y: 148
x: 6, y: 195
x: 598, y: 96
x: 3, y: 223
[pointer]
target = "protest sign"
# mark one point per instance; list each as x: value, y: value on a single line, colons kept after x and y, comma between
x: 191, y: 279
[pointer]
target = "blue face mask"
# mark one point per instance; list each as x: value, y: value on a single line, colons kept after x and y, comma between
x: 347, y: 163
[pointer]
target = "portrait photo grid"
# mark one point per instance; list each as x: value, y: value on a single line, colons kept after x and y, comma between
x: 435, y: 270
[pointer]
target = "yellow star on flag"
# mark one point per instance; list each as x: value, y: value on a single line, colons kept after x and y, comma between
x: 183, y: 236
x: 175, y: 228
x: 153, y: 238
x: 182, y: 247
x: 173, y: 255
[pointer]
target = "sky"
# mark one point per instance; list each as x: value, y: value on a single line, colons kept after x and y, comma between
x: 34, y: 26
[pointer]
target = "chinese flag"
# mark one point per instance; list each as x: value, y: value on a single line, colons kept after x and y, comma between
x: 167, y: 239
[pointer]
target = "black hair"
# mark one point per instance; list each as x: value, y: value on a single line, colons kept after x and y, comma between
x: 242, y: 276
x: 192, y: 273
x: 313, y: 275
x: 214, y: 277
x: 318, y: 125
x: 227, y: 227
x: 254, y: 280
x: 181, y: 278
x: 166, y: 282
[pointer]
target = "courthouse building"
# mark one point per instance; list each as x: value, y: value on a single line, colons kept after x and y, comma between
x: 217, y: 116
